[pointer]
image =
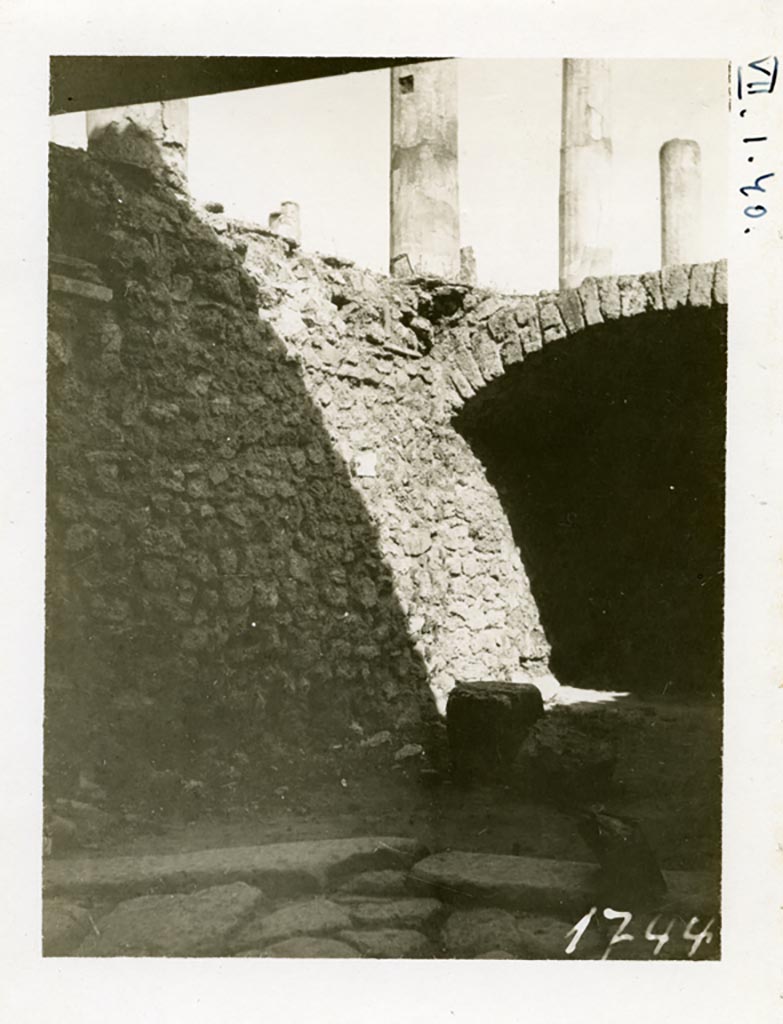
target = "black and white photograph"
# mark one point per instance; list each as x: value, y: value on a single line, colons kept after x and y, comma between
x: 402, y: 473
x: 385, y: 513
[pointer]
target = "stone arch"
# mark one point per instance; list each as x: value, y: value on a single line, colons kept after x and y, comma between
x: 599, y: 416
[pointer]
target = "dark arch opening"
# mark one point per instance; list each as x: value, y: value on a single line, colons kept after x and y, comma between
x: 608, y: 453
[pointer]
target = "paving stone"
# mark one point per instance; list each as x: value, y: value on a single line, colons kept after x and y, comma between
x: 310, y: 917
x: 377, y: 883
x: 308, y: 946
x: 195, y: 924
x: 467, y: 933
x: 391, y: 944
x: 278, y: 868
x: 527, y: 883
x: 64, y: 926
x: 417, y: 913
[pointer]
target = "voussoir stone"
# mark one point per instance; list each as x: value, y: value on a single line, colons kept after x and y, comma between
x: 525, y: 883
x: 417, y: 913
x: 192, y: 924
x: 309, y: 946
x: 278, y: 868
x: 468, y: 933
x: 309, y: 917
x: 64, y: 926
x: 391, y: 944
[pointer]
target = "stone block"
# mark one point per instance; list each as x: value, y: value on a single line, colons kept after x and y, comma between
x: 633, y: 297
x: 82, y: 289
x: 552, y: 324
x: 700, y: 292
x: 308, y: 946
x: 469, y: 933
x: 377, y: 883
x: 609, y: 294
x: 591, y: 302
x: 675, y: 286
x: 193, y: 924
x: 277, y: 868
x: 526, y: 313
x: 391, y: 944
x: 525, y: 883
x: 487, y: 355
x: 486, y: 723
x: 720, y: 284
x: 464, y: 360
x: 64, y: 926
x: 571, y: 310
x: 417, y: 913
x: 309, y: 917
x: 653, y: 287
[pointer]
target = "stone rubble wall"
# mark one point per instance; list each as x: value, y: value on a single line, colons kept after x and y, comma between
x: 365, y: 345
x: 263, y: 527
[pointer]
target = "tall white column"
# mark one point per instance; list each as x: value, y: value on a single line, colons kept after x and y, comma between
x: 680, y: 202
x: 585, y: 172
x: 424, y: 195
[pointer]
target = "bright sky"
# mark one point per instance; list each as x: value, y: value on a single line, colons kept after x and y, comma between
x: 325, y: 144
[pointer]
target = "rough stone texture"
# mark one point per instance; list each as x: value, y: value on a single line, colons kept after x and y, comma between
x: 198, y: 924
x: 152, y: 136
x: 307, y: 946
x: 222, y: 584
x: 486, y: 723
x: 64, y: 926
x: 700, y: 292
x: 391, y: 944
x: 468, y: 933
x: 277, y: 868
x: 312, y: 917
x: 720, y: 286
x: 674, y: 281
x: 527, y: 883
x: 406, y: 913
x: 567, y: 752
x: 377, y: 883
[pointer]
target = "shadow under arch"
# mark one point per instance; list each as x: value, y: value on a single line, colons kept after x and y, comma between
x: 607, y: 450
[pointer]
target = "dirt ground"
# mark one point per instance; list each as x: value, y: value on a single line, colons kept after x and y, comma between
x: 668, y: 777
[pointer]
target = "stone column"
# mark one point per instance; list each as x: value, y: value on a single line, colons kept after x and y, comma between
x: 149, y: 135
x: 286, y: 223
x: 680, y: 202
x: 468, y: 273
x: 585, y: 172
x: 424, y: 197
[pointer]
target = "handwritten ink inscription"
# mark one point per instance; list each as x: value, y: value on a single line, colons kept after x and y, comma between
x: 690, y: 932
x: 758, y: 78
